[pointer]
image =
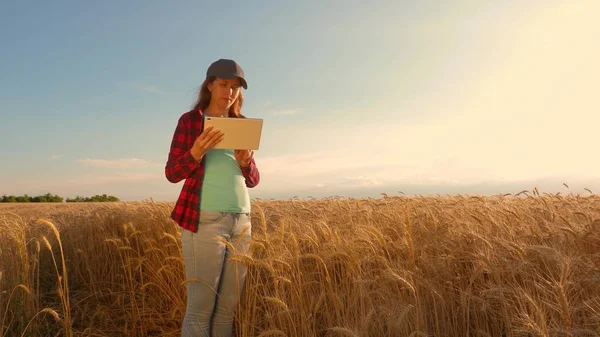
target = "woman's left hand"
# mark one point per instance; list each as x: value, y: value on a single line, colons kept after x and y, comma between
x: 244, y: 157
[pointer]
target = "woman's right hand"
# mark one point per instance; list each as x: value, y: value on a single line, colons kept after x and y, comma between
x: 206, y: 141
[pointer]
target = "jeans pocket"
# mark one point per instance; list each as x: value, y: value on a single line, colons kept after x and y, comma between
x: 210, y: 216
x: 243, y: 225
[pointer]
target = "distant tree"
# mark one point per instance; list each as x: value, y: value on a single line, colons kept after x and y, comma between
x: 57, y: 198
x: 48, y: 197
x: 39, y: 198
x: 23, y: 198
x: 95, y: 198
x: 8, y: 198
x: 76, y: 199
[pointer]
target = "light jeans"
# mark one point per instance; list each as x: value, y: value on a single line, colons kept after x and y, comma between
x: 214, y: 284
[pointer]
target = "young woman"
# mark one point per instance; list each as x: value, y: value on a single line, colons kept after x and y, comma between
x: 214, y: 205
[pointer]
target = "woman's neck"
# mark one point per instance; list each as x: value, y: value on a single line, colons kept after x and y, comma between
x: 214, y: 111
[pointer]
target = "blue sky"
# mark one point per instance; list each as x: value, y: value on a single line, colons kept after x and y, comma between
x: 358, y: 97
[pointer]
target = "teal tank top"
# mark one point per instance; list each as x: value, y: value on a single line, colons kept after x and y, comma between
x: 224, y: 187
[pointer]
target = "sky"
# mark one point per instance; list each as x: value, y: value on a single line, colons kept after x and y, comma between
x: 358, y: 98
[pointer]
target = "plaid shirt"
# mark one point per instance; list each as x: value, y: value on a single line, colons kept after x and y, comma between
x: 182, y: 165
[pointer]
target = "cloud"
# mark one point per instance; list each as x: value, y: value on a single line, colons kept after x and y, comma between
x: 342, y: 173
x: 362, y: 181
x: 268, y: 103
x: 113, y: 181
x: 55, y: 156
x: 330, y: 170
x: 326, y: 162
x: 432, y: 154
x: 116, y: 163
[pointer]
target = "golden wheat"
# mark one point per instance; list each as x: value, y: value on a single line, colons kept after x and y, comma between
x: 525, y: 265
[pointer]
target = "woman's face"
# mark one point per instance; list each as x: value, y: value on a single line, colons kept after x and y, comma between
x: 223, y: 92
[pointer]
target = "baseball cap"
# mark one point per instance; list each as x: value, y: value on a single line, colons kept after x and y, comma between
x: 225, y: 68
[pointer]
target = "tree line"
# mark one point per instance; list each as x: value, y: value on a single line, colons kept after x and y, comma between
x: 56, y: 198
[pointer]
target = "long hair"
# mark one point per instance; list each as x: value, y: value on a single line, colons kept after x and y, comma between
x: 204, y: 100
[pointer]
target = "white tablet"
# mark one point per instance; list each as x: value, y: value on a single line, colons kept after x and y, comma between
x: 238, y: 133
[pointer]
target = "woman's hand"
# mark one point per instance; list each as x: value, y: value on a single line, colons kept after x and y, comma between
x: 244, y: 157
x: 206, y: 141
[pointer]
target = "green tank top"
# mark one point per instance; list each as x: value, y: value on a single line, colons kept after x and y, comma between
x: 224, y: 187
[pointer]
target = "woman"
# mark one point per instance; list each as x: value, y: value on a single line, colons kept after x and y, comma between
x: 214, y: 205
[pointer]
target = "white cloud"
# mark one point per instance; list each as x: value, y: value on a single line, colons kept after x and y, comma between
x: 461, y: 152
x: 361, y: 181
x: 119, y: 179
x: 116, y: 163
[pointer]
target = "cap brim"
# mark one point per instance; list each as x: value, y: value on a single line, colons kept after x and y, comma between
x: 242, y: 81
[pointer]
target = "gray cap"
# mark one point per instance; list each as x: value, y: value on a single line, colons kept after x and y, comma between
x: 224, y: 68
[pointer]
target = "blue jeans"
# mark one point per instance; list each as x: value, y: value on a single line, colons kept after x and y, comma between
x: 214, y: 284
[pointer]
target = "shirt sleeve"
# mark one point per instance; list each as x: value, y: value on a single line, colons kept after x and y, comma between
x: 180, y: 164
x: 251, y: 174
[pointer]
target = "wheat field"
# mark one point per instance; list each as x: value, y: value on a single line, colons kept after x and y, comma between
x: 524, y: 265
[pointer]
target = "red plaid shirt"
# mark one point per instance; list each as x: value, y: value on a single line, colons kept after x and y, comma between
x: 182, y: 165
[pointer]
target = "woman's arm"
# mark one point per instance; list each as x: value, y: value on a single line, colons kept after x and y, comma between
x: 251, y: 174
x: 180, y: 164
